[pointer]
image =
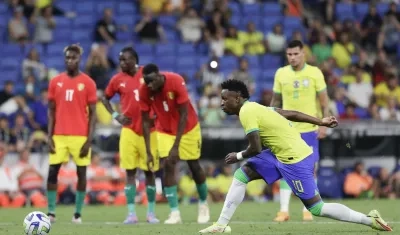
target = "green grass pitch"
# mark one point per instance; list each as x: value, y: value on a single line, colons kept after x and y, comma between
x: 250, y: 219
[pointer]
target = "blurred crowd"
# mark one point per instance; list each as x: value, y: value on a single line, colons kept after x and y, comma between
x: 357, y: 55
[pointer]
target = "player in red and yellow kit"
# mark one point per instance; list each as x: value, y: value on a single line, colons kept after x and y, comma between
x: 131, y: 144
x: 178, y: 134
x: 72, y: 117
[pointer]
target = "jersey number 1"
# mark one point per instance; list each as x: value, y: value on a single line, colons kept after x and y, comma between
x: 69, y: 95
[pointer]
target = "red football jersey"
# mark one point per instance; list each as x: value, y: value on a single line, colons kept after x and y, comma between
x: 128, y: 89
x: 72, y: 97
x: 165, y: 104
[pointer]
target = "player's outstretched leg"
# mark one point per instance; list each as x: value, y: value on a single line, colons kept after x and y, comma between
x: 52, y: 191
x: 343, y: 213
x: 151, y: 197
x: 171, y: 192
x: 80, y: 194
x: 200, y: 178
x: 233, y: 199
x: 130, y: 194
x: 285, y: 193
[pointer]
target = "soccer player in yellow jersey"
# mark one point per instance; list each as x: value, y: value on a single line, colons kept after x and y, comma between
x: 287, y: 157
x: 299, y: 87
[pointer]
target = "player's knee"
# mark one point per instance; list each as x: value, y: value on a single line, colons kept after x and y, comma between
x: 81, y: 173
x: 53, y: 174
x: 316, y: 209
x: 241, y: 175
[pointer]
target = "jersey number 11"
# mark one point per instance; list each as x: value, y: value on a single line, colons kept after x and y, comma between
x: 69, y: 94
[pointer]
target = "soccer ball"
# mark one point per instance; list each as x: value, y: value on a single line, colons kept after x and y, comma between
x: 37, y: 223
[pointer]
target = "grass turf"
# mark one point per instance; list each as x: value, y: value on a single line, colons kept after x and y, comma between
x: 250, y: 219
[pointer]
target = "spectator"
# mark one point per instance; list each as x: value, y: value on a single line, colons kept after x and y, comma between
x: 216, y: 43
x: 156, y: 6
x: 352, y: 72
x: 7, y: 92
x: 190, y: 26
x: 148, y: 28
x: 266, y: 97
x: 256, y: 190
x: 30, y: 180
x: 44, y: 25
x: 9, y: 191
x: 338, y: 104
x: 211, y: 113
x: 322, y: 50
x: 215, y: 23
x: 98, y: 66
x: 31, y: 66
x: 315, y: 31
x: 370, y: 26
x: 385, y: 187
x: 358, y: 183
x: 31, y: 89
x: 210, y: 75
x: 99, y: 182
x: 389, y: 37
x: 5, y: 131
x: 17, y: 27
x: 387, y: 89
x: 349, y: 113
x: 106, y: 28
x: 390, y: 112
x: 187, y: 187
x: 276, y: 40
x: 293, y: 7
x: 21, y: 133
x: 343, y: 50
x: 374, y: 111
x: 212, y: 184
x: 252, y: 40
x: 243, y: 74
x: 360, y: 92
x: 380, y: 67
x: 39, y: 111
x: 363, y: 62
x: 393, y: 10
x: 224, y: 179
x: 233, y: 45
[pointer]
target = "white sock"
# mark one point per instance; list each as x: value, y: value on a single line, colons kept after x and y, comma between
x: 285, y: 195
x: 232, y: 201
x: 343, y: 213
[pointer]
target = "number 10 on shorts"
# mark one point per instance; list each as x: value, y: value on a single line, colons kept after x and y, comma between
x: 298, y: 186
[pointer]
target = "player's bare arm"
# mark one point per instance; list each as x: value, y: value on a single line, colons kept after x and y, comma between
x: 254, y: 148
x: 92, y: 123
x: 123, y: 120
x: 183, y: 114
x: 50, y: 126
x: 296, y: 116
x: 276, y: 100
x: 324, y: 102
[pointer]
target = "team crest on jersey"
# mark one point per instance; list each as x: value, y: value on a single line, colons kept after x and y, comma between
x: 306, y: 83
x: 81, y: 86
x: 171, y: 95
x: 296, y: 84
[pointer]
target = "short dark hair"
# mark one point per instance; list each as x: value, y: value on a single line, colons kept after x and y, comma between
x: 9, y: 82
x: 75, y: 48
x: 150, y: 68
x: 237, y: 86
x: 295, y: 43
x: 132, y: 51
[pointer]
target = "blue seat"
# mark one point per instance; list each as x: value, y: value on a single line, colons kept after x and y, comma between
x: 10, y: 50
x: 146, y: 59
x: 255, y: 73
x: 144, y: 49
x: 56, y: 49
x: 268, y: 75
x: 172, y: 36
x: 347, y: 170
x: 235, y: 8
x: 10, y: 63
x: 229, y: 62
x: 361, y: 113
x: 271, y: 61
x: 270, y: 22
x: 272, y: 9
x: 186, y: 62
x: 37, y: 47
x: 330, y: 187
x: 124, y: 36
x: 62, y: 35
x: 165, y: 49
x: 397, y: 168
x: 253, y: 61
x: 85, y: 7
x: 66, y: 5
x: 251, y: 9
x: 63, y: 22
x: 55, y: 63
x: 382, y: 8
x: 343, y: 8
x: 85, y: 22
x: 168, y: 21
x: 361, y: 9
x: 186, y: 49
x: 236, y: 21
x: 3, y: 8
x: 292, y: 22
x: 101, y: 6
x: 126, y: 19
x: 374, y: 171
x: 167, y: 62
x: 79, y: 36
x: 126, y: 8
